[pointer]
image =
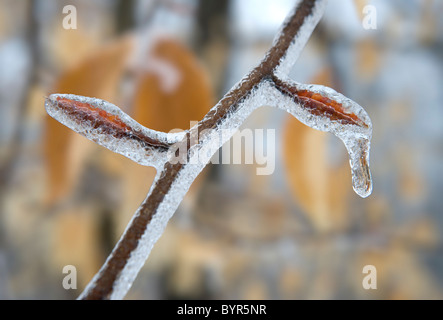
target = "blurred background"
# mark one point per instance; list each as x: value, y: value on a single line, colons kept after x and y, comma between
x: 301, y: 233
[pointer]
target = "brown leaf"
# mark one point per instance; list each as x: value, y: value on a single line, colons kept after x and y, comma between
x: 368, y: 59
x: 359, y: 6
x: 75, y: 242
x: 161, y: 102
x: 187, y: 99
x: 97, y: 76
x: 174, y: 92
x: 320, y: 187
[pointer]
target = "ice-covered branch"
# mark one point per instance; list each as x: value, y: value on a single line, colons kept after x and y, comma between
x: 108, y: 126
x: 295, y: 33
x: 324, y: 109
x: 266, y: 85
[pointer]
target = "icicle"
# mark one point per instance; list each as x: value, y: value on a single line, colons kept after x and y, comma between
x: 358, y: 150
x: 324, y: 109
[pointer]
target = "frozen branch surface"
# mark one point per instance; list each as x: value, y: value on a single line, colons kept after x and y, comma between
x: 267, y: 85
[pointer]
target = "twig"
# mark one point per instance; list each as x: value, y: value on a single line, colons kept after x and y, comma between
x: 267, y: 84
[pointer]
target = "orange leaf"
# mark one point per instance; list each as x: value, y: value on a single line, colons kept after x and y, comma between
x: 171, y: 89
x: 320, y: 187
x: 97, y: 76
x: 163, y: 103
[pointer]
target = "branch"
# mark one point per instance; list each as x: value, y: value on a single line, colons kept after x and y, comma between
x: 267, y: 84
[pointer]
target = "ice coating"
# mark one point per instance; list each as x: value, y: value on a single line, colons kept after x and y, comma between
x: 356, y: 138
x: 318, y: 107
x: 324, y: 109
x: 302, y: 37
x: 107, y: 125
x: 358, y: 150
x: 341, y: 116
